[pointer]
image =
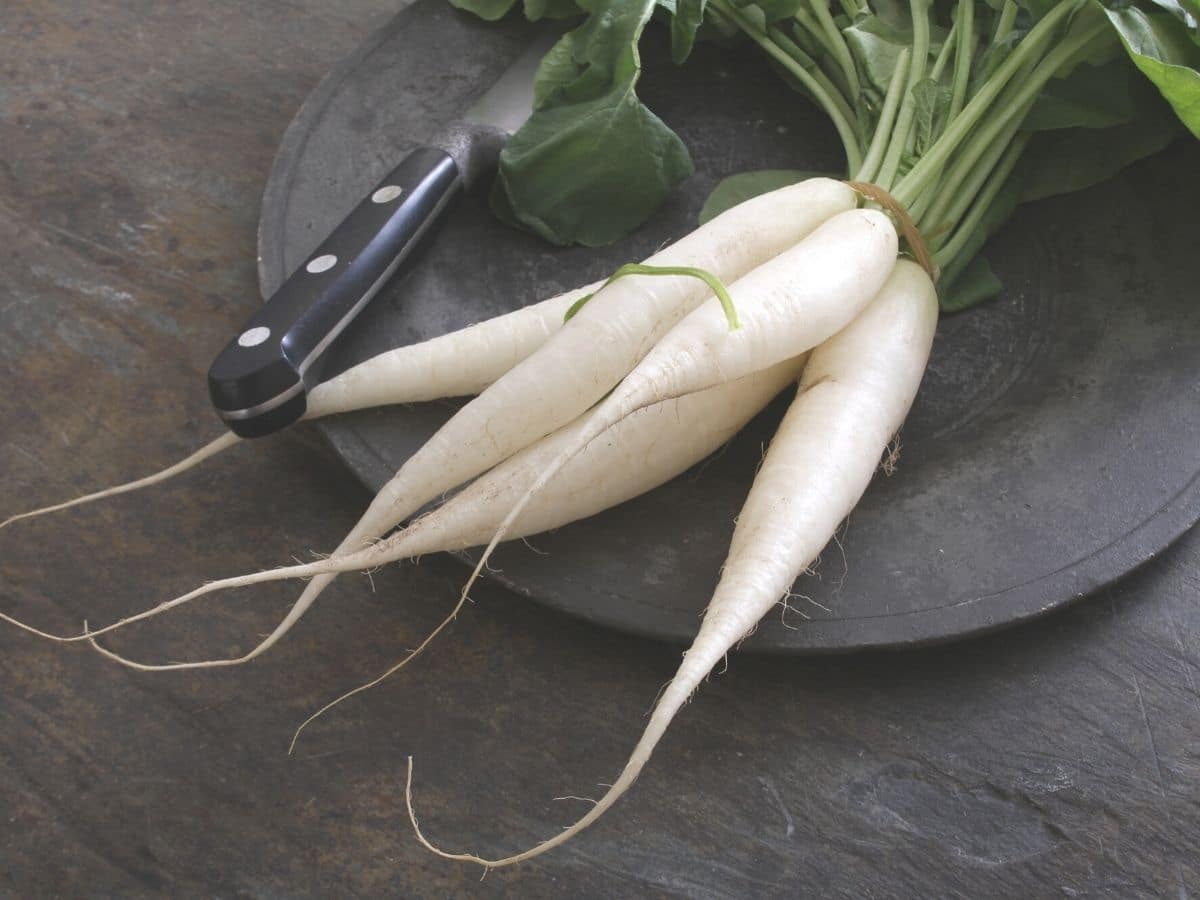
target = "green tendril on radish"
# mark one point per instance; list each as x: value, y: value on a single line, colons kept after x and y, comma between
x: 714, y: 283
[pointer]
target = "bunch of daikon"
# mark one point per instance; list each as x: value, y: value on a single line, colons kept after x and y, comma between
x: 653, y: 373
x: 594, y: 396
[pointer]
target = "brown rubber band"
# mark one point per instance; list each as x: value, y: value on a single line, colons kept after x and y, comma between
x: 908, y: 228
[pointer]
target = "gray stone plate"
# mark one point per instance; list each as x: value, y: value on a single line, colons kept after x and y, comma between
x: 1054, y: 445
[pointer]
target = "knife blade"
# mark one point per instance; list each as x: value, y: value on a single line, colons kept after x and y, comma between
x: 259, y: 381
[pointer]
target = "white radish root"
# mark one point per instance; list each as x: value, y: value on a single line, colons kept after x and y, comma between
x: 786, y: 306
x: 634, y: 456
x: 854, y: 395
x: 460, y: 363
x: 457, y: 364
x: 580, y: 364
x: 224, y: 442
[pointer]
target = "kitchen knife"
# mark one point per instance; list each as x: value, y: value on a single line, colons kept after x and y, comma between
x: 259, y: 382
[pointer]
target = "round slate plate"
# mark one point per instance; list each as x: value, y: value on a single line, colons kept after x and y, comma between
x: 1055, y: 444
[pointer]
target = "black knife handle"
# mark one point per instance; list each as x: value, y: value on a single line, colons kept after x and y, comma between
x: 258, y: 381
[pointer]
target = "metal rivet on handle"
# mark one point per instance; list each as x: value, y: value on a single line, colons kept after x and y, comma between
x: 320, y: 264
x: 387, y: 193
x: 252, y: 337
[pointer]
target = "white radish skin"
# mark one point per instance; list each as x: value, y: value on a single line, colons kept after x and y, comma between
x: 224, y: 442
x: 854, y: 395
x: 593, y: 351
x: 786, y: 306
x: 457, y: 364
x: 461, y: 363
x: 581, y: 363
x: 636, y: 455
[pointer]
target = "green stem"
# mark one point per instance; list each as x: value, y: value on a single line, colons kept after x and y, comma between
x: 943, y: 57
x: 844, y: 129
x: 841, y: 52
x: 916, y: 71
x: 1017, y: 105
x: 916, y: 209
x: 965, y: 23
x: 714, y: 283
x: 1004, y: 27
x: 937, y: 155
x: 939, y: 67
x: 828, y: 57
x: 813, y: 28
x: 961, y: 185
x: 983, y: 202
x: 792, y: 49
x: 809, y: 44
x: 887, y: 118
x: 953, y: 189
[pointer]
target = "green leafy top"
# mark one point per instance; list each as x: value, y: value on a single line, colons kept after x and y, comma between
x: 962, y: 109
x: 552, y: 178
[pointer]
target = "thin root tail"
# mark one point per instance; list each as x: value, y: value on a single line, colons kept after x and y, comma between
x: 210, y: 449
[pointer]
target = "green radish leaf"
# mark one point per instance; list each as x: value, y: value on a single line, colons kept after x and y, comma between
x: 896, y: 15
x: 556, y: 73
x: 1091, y: 97
x: 551, y: 9
x: 592, y: 162
x: 931, y: 102
x: 555, y: 179
x: 975, y: 283
x: 1065, y: 160
x: 876, y: 46
x: 686, y: 20
x: 1102, y: 50
x: 590, y: 60
x: 490, y: 10
x: 1161, y: 47
x: 1187, y: 12
x: 738, y: 188
x: 502, y: 207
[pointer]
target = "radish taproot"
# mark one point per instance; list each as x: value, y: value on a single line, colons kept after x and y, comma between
x: 853, y: 397
x: 580, y: 364
x: 568, y: 373
x: 787, y: 305
x: 640, y: 452
x: 459, y: 363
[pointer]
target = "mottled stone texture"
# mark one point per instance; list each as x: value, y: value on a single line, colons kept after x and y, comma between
x: 1060, y: 758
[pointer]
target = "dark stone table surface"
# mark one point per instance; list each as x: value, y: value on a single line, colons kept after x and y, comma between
x: 1060, y: 758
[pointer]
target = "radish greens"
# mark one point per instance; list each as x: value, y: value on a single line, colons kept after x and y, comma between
x: 962, y: 110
